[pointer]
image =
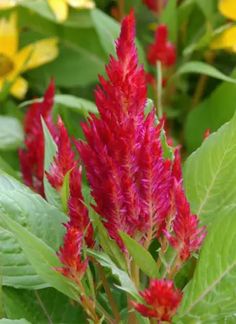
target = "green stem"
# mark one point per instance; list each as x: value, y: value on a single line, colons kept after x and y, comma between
x: 159, y: 89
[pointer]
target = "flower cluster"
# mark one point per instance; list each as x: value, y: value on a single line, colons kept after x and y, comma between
x: 32, y: 157
x: 162, y: 50
x: 162, y: 300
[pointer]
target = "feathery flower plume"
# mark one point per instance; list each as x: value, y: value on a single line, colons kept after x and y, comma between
x: 162, y: 300
x: 64, y: 161
x: 70, y: 254
x: 32, y: 157
x: 187, y: 236
x: 129, y: 178
x: 162, y: 50
x: 155, y: 5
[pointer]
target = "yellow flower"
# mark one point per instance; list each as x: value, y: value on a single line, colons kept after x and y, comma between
x: 61, y: 7
x: 14, y: 61
x: 227, y: 38
x: 5, y: 4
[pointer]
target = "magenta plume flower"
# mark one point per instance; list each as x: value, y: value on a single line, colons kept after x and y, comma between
x: 129, y: 178
x: 32, y: 157
x: 162, y: 300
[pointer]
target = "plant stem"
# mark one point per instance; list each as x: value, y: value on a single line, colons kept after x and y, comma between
x: 111, y: 300
x: 159, y: 89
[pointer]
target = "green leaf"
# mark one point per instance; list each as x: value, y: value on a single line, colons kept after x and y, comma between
x: 203, y: 68
x: 50, y: 150
x: 41, y: 256
x: 11, y: 133
x: 33, y: 212
x: 210, y: 176
x: 107, y: 28
x: 210, y: 296
x: 74, y: 103
x: 211, y: 113
x: 4, y: 166
x: 125, y: 281
x: 41, y: 306
x: 141, y: 256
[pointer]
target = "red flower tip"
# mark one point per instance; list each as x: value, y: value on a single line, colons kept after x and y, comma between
x: 176, y: 168
x: 32, y: 157
x: 154, y: 4
x: 64, y: 160
x: 187, y: 236
x: 162, y: 50
x: 207, y: 133
x: 70, y: 254
x: 162, y: 300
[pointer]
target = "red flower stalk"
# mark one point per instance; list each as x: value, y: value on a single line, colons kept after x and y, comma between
x: 162, y: 50
x: 128, y: 176
x: 155, y: 5
x: 64, y: 161
x: 70, y: 254
x: 162, y: 300
x: 32, y: 158
x: 187, y: 236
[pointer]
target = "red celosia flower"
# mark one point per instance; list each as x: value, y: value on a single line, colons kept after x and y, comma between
x: 70, y: 254
x: 63, y: 163
x: 207, y: 133
x: 162, y: 50
x: 154, y: 5
x: 32, y: 158
x: 129, y: 178
x: 78, y: 212
x: 64, y: 160
x: 162, y: 300
x: 187, y: 236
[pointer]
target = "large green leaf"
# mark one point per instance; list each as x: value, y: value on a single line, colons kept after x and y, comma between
x: 41, y: 306
x: 42, y: 257
x: 210, y: 173
x: 141, y: 256
x: 203, y: 68
x: 11, y: 133
x: 34, y: 213
x: 213, y: 112
x: 211, y: 295
x: 126, y: 283
x: 9, y: 321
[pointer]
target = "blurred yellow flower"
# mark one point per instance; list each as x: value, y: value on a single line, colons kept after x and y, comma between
x: 14, y: 61
x: 4, y: 4
x: 227, y: 38
x: 61, y: 7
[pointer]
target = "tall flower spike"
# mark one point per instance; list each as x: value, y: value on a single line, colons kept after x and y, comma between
x: 123, y: 155
x: 70, y: 254
x: 64, y: 161
x: 162, y: 50
x: 162, y: 300
x: 155, y: 5
x: 32, y: 157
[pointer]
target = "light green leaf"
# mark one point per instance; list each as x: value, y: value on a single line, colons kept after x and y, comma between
x: 203, y: 68
x: 41, y: 256
x: 125, y: 281
x: 75, y: 103
x: 33, y: 212
x: 11, y: 133
x: 41, y: 306
x: 141, y: 256
x: 50, y: 150
x: 210, y: 296
x: 210, y: 174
